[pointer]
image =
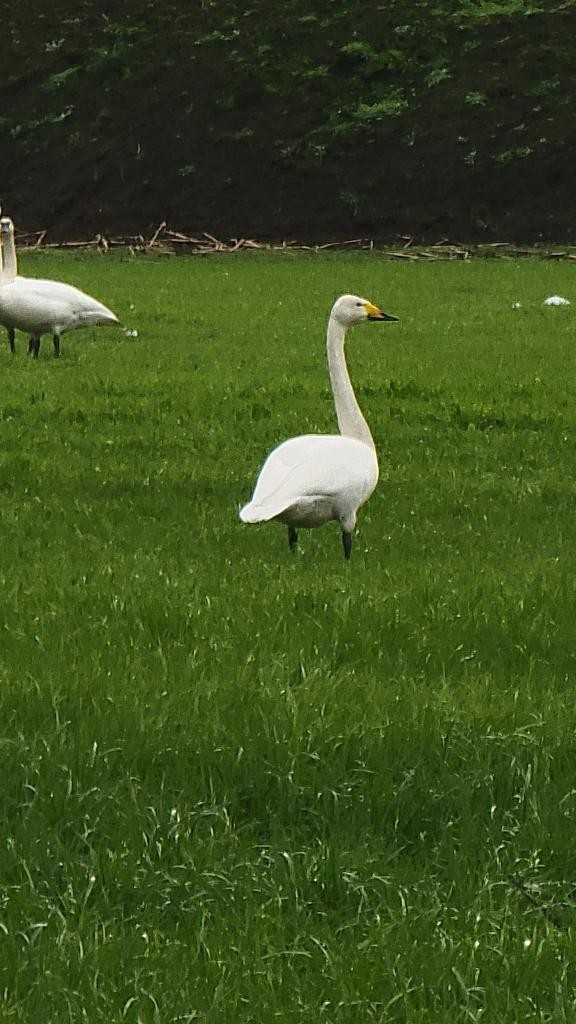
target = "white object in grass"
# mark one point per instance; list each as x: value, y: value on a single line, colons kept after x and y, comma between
x: 516, y: 305
x: 310, y: 480
x: 556, y: 300
x: 42, y: 307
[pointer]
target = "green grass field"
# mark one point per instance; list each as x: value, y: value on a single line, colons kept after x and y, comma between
x: 244, y: 786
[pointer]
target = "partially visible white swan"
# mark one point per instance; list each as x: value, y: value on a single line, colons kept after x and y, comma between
x: 42, y: 307
x: 312, y: 479
x: 5, y: 276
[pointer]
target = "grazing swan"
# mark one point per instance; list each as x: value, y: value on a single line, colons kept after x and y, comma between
x: 312, y: 479
x: 41, y: 307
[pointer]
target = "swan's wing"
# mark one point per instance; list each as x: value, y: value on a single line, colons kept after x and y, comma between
x: 78, y: 305
x: 34, y: 304
x: 314, y: 465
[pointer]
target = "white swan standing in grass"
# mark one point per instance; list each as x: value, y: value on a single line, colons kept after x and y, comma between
x: 6, y: 276
x: 42, y: 307
x: 309, y: 480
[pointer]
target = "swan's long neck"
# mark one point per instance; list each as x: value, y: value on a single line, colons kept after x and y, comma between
x: 10, y: 263
x: 350, y: 418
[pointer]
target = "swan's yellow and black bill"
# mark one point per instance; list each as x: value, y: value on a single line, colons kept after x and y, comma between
x: 373, y: 313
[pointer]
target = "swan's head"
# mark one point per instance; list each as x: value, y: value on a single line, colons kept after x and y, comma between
x: 351, y: 309
x: 6, y: 226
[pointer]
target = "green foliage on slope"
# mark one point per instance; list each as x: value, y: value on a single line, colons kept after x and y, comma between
x: 221, y: 114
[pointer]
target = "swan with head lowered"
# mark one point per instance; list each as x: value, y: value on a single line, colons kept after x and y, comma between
x: 39, y: 306
x: 310, y: 480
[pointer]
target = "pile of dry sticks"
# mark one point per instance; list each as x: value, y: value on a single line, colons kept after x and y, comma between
x: 165, y: 241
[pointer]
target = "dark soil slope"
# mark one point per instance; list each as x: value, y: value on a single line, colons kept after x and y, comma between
x: 314, y: 121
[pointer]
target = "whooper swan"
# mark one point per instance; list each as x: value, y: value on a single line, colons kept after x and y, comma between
x: 309, y: 480
x: 42, y: 307
x: 5, y: 276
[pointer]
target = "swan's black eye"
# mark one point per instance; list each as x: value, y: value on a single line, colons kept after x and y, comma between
x: 358, y: 303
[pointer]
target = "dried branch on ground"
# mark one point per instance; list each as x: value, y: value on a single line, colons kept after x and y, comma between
x: 166, y: 241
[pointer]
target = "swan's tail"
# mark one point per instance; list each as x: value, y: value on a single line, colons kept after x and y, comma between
x: 94, y: 317
x: 253, y: 513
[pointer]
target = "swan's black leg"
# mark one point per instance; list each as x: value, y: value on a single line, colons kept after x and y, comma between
x: 292, y: 537
x: 31, y: 346
x: 56, y: 340
x: 12, y: 339
x: 34, y: 347
x: 347, y: 543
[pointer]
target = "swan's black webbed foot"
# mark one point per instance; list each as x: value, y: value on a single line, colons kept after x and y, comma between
x: 292, y: 538
x: 56, y: 340
x: 347, y: 544
x: 12, y: 339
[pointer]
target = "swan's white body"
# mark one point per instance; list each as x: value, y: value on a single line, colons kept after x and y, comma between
x: 40, y: 306
x: 43, y: 307
x: 310, y: 480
